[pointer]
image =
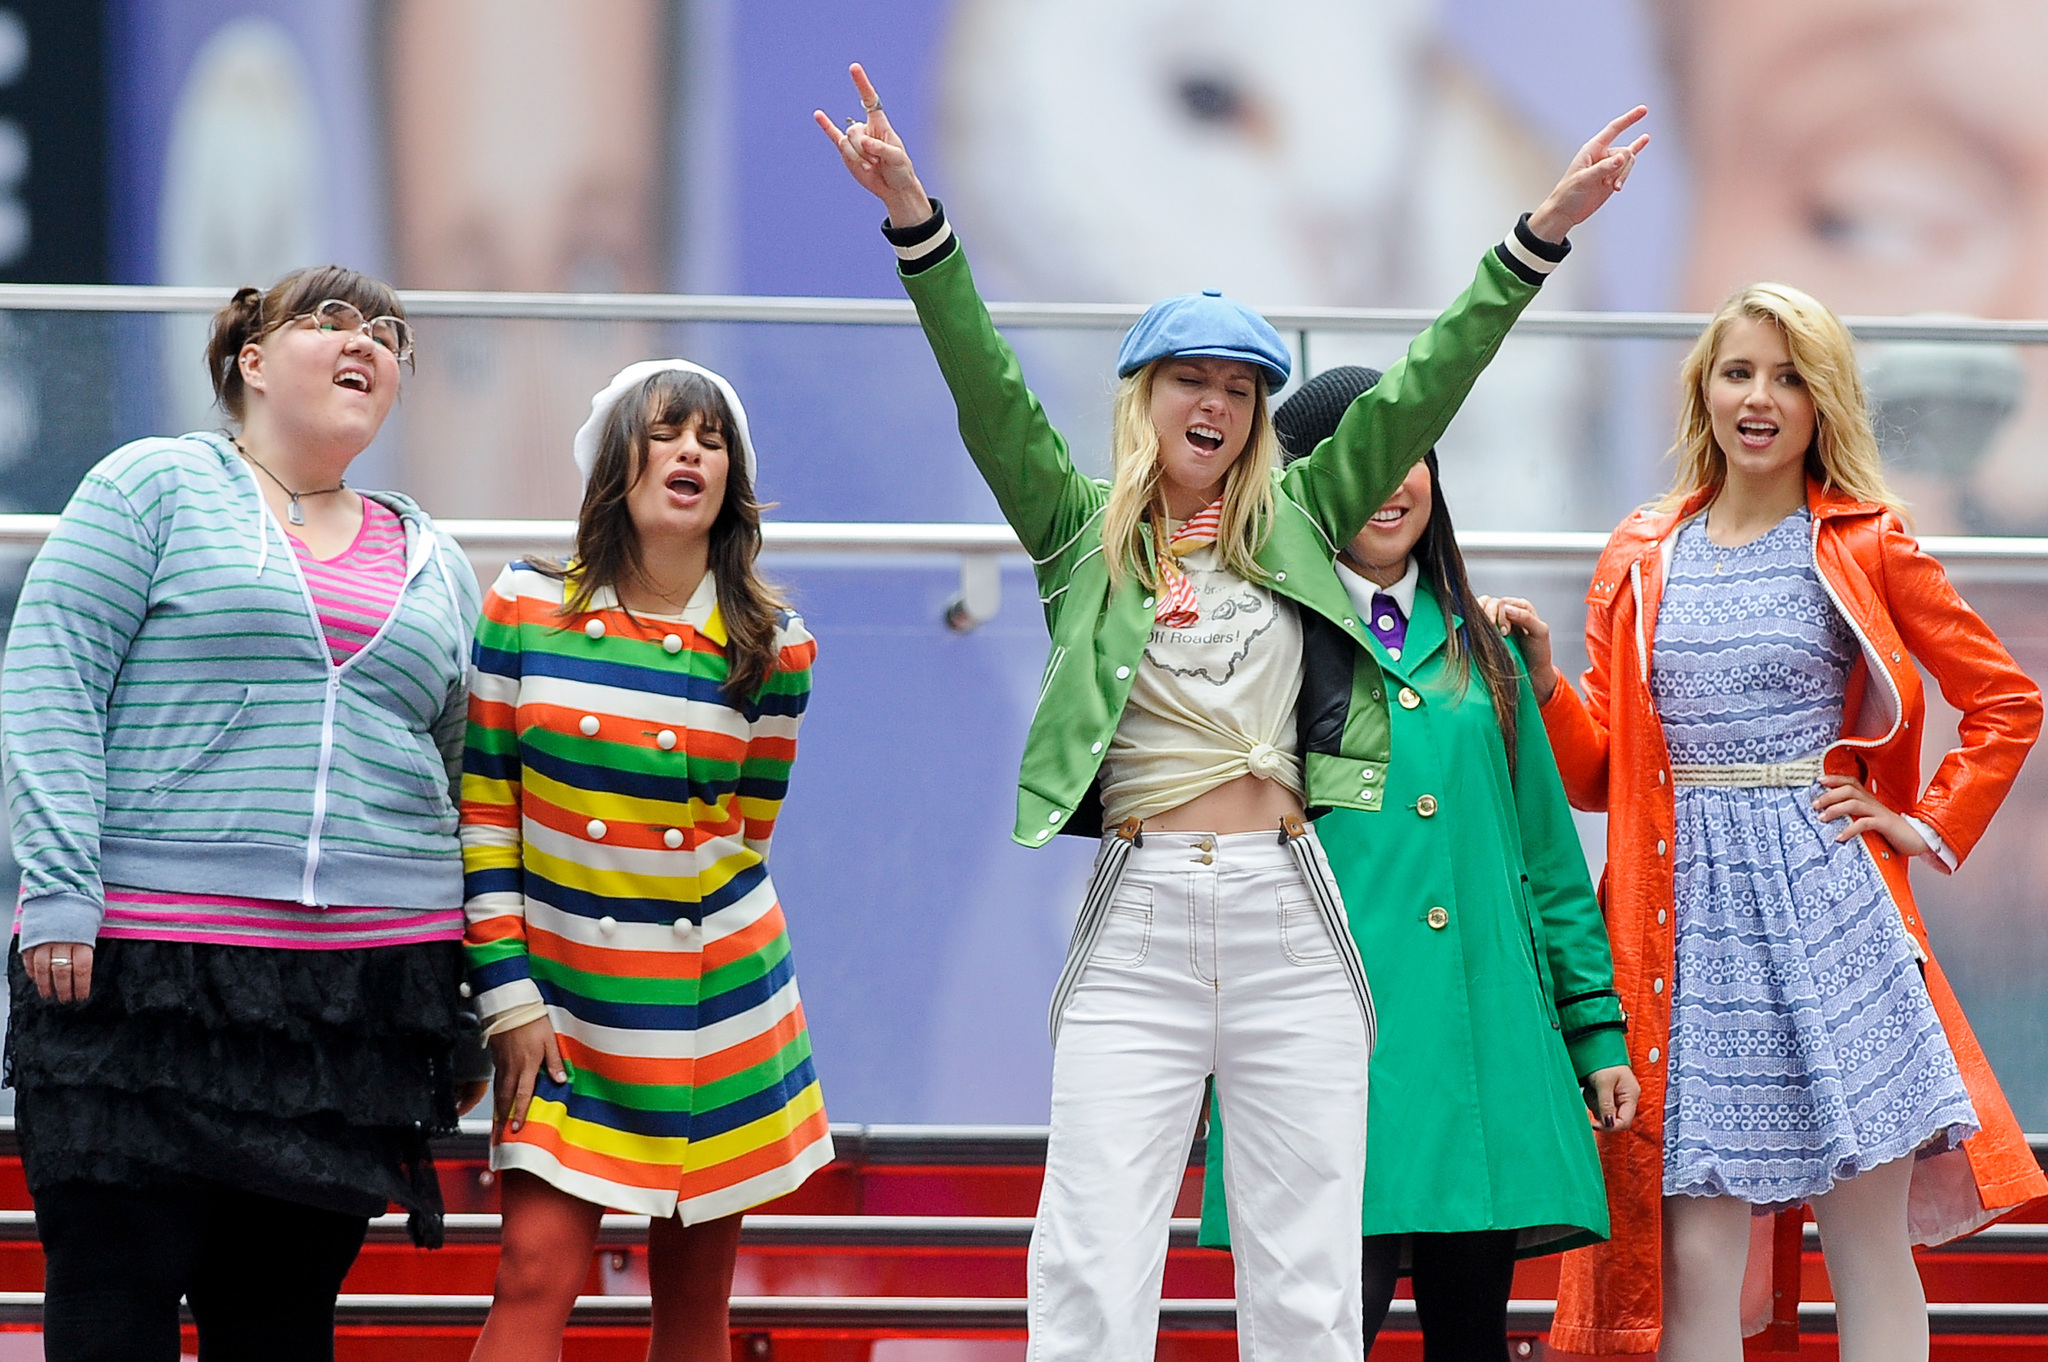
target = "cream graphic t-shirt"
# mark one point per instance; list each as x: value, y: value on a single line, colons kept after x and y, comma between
x: 1210, y: 702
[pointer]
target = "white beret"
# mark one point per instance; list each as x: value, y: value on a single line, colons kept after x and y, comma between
x: 630, y: 378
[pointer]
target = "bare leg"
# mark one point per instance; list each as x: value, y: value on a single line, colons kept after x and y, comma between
x: 1881, y: 1307
x: 543, y: 1262
x: 689, y: 1272
x: 1706, y: 1245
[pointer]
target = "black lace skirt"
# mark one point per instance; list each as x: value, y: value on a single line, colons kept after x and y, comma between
x: 317, y: 1077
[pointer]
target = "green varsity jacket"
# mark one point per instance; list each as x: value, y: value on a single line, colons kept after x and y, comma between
x: 1099, y: 635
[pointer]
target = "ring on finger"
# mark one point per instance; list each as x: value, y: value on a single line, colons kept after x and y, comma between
x: 875, y: 107
x: 63, y: 960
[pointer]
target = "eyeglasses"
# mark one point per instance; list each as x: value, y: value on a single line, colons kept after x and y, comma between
x: 393, y: 333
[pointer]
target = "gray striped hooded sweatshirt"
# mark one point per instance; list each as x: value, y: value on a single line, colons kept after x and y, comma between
x: 172, y: 718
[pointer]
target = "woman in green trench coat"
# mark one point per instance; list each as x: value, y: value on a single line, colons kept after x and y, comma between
x: 1468, y: 895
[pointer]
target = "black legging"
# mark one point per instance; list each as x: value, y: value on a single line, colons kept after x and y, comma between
x: 1461, y: 1285
x: 260, y: 1274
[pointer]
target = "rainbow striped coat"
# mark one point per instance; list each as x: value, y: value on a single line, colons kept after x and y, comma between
x: 616, y: 815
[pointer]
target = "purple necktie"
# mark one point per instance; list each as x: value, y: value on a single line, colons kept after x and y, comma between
x: 1387, y: 623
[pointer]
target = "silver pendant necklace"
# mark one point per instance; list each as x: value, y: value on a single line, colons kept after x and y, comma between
x: 292, y: 512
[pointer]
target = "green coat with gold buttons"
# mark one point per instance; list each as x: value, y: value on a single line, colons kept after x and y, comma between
x: 1489, y: 965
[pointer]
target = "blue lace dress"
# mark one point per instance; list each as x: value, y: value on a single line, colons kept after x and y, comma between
x: 1804, y: 1049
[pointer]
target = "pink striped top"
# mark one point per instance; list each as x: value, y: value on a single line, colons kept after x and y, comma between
x: 354, y: 592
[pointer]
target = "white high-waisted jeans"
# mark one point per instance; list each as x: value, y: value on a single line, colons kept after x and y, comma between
x: 1212, y: 959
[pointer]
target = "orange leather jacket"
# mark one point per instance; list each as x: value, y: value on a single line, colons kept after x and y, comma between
x: 1610, y: 751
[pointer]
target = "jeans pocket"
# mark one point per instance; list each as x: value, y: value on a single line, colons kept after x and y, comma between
x: 1126, y: 935
x: 1304, y: 939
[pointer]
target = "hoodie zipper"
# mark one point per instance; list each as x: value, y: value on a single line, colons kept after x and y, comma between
x: 427, y: 547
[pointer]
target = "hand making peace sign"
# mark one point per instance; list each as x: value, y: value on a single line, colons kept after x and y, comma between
x: 875, y: 156
x: 1595, y: 175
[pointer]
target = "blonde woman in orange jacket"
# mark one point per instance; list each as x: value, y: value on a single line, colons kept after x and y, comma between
x: 1751, y: 723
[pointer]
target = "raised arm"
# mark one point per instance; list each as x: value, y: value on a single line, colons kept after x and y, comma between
x: 1021, y: 457
x: 1391, y: 425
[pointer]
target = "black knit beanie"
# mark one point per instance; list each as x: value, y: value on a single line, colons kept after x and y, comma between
x: 1311, y: 415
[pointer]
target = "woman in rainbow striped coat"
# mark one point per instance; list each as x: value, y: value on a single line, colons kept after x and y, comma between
x: 633, y: 720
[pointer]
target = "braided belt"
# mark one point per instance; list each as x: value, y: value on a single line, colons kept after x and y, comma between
x: 1749, y: 775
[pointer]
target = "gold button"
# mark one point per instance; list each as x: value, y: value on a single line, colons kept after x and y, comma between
x: 1426, y: 806
x: 1409, y: 699
x: 1207, y: 859
x: 1438, y: 919
x: 1208, y: 844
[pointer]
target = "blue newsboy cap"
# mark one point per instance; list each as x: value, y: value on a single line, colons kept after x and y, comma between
x: 1207, y: 324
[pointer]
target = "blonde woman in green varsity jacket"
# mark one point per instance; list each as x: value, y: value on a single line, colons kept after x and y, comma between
x: 1177, y: 596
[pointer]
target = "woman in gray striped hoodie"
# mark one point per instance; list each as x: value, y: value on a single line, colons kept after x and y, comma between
x: 233, y: 711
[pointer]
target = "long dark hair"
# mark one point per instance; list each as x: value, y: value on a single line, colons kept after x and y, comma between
x: 254, y: 313
x: 608, y: 547
x: 1477, y: 646
x: 1311, y: 416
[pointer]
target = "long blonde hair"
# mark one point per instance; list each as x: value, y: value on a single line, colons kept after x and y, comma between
x: 1844, y: 454
x: 1135, y: 491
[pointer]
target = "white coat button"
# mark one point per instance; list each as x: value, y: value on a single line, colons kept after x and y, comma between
x: 673, y: 643
x: 1409, y: 699
x: 1123, y: 673
x: 1660, y: 846
x: 672, y: 839
x: 1350, y: 623
x: 1279, y: 576
x: 1366, y: 775
x: 1148, y: 602
x: 1660, y: 777
x: 1054, y: 816
x: 666, y: 740
x: 1394, y: 653
x: 595, y: 628
x: 1660, y: 917
x: 1386, y: 621
x: 607, y: 925
x: 1044, y: 833
x: 1653, y: 1054
x: 1656, y: 986
x: 1093, y: 748
x: 595, y: 827
x: 588, y: 725
x: 682, y: 926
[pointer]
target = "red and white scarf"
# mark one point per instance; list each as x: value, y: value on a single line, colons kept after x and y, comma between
x: 1178, y: 608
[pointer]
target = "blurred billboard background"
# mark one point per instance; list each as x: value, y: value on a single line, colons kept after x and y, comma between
x: 1889, y: 155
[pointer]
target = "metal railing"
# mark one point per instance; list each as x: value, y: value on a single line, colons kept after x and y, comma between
x: 891, y: 1233
x: 681, y: 307
x: 966, y: 1316
x: 981, y: 549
